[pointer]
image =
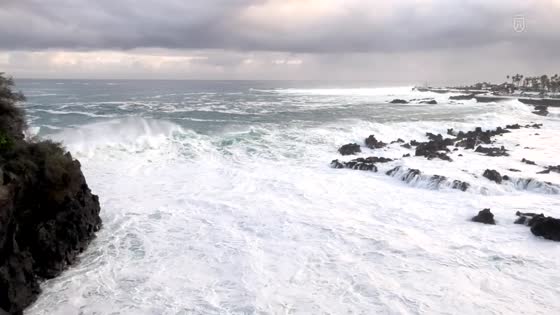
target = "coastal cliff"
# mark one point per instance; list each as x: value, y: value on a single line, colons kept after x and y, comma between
x: 48, y: 214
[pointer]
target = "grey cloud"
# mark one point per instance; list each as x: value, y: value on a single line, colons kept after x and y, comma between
x: 219, y: 24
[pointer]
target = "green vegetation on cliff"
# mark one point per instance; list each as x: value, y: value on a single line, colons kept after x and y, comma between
x: 48, y: 214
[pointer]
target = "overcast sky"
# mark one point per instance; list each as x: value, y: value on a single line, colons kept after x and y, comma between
x: 402, y: 41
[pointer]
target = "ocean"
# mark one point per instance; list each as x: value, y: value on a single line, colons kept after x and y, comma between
x: 218, y: 198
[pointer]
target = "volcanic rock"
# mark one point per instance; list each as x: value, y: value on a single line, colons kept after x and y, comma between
x: 373, y: 143
x: 485, y: 216
x: 493, y: 175
x: 491, y: 151
x: 350, y: 149
x: 528, y: 162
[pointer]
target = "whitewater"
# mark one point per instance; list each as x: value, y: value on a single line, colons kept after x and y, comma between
x: 218, y: 198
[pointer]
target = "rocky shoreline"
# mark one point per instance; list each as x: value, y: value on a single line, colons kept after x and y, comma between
x: 540, y: 105
x: 48, y: 215
x: 438, y: 147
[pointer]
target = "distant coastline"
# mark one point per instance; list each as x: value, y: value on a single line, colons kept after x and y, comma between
x: 541, y: 90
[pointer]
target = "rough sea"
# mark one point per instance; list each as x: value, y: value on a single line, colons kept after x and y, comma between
x: 218, y: 198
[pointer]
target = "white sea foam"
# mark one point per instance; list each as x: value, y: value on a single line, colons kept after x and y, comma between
x: 254, y: 221
x: 61, y: 112
x: 382, y: 91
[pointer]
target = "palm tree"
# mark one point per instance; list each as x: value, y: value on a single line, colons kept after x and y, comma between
x: 554, y: 83
x: 545, y: 82
x: 535, y: 83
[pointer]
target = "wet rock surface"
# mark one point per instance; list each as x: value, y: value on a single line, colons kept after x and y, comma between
x: 398, y: 101
x: 435, y: 148
x: 549, y: 169
x: 492, y: 151
x: 528, y: 162
x: 462, y: 97
x: 493, y: 175
x: 430, y: 102
x: 485, y: 216
x: 409, y: 175
x: 350, y: 149
x: 363, y: 164
x: 541, y: 110
x: 541, y: 225
x: 373, y: 143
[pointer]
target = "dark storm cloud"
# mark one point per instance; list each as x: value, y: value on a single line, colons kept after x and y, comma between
x: 108, y: 24
x: 352, y: 26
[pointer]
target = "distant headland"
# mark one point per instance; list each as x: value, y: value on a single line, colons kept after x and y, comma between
x: 532, y: 90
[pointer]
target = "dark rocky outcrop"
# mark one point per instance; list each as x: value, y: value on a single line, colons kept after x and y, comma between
x: 485, y: 216
x: 493, y: 175
x: 432, y: 149
x: 514, y: 170
x: 528, y: 218
x: 355, y: 165
x: 524, y: 218
x: 536, y: 126
x: 398, y: 101
x: 430, y: 102
x: 48, y: 215
x: 350, y: 149
x: 548, y: 228
x: 462, y: 97
x: 491, y: 151
x: 439, y: 155
x: 375, y: 159
x: 541, y: 225
x: 468, y: 143
x: 549, y: 169
x: 470, y: 139
x: 460, y: 185
x: 541, y: 107
x: 437, y: 146
x: 534, y: 184
x: 409, y: 175
x: 528, y: 162
x: 362, y: 164
x: 541, y: 110
x: 373, y: 143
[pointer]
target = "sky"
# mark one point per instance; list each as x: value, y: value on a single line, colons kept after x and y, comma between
x: 399, y: 41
